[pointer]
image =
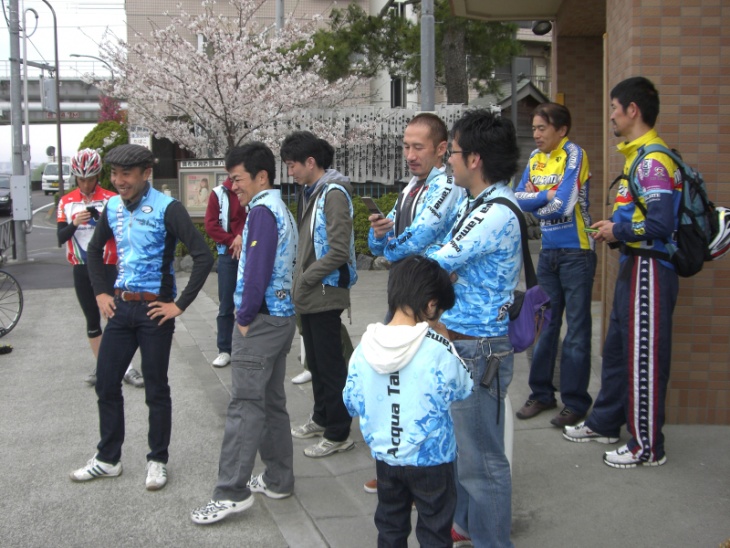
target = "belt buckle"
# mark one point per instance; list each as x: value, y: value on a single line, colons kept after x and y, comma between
x: 124, y: 295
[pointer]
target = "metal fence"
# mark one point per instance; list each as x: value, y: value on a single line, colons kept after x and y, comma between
x: 374, y: 159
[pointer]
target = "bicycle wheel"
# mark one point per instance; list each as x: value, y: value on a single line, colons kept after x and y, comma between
x: 11, y: 303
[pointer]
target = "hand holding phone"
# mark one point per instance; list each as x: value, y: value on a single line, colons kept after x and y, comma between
x: 372, y: 206
x: 93, y: 212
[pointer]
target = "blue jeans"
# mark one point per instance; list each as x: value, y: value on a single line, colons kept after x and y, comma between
x: 127, y: 330
x: 431, y: 488
x: 227, y: 272
x: 484, y: 486
x: 566, y: 275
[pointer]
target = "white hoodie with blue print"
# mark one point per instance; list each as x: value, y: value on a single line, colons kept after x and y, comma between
x: 401, y: 382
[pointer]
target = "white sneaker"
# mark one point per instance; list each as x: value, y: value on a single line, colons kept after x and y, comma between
x: 223, y: 359
x: 309, y: 429
x: 326, y: 447
x: 580, y: 433
x: 216, y: 510
x: 304, y: 376
x: 156, y: 475
x: 624, y: 458
x: 134, y: 377
x: 96, y: 469
x: 257, y: 485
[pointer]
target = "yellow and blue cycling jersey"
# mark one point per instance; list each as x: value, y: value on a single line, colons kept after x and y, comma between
x: 660, y: 184
x: 562, y: 219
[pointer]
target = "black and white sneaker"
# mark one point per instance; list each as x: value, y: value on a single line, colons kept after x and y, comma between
x: 96, y: 469
x: 216, y: 510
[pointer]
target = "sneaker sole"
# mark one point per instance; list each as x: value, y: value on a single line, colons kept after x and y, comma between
x: 659, y: 462
x: 239, y: 507
x: 220, y: 364
x: 370, y: 490
x: 271, y: 494
x: 338, y: 450
x: 154, y: 486
x: 599, y: 439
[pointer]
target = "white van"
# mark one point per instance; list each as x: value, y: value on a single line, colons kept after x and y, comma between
x: 49, y: 179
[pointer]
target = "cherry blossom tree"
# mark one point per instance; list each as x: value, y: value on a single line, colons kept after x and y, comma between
x: 247, y: 83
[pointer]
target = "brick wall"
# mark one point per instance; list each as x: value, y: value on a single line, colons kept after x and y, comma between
x: 579, y: 80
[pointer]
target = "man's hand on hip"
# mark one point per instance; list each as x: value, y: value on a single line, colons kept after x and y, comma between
x: 164, y: 311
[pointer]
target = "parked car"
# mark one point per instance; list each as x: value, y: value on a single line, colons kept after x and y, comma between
x: 49, y: 179
x: 6, y: 201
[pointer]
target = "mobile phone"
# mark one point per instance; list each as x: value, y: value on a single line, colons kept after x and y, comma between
x: 372, y: 206
x: 94, y: 212
x: 591, y: 230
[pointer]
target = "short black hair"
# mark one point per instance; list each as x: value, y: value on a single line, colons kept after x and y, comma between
x: 554, y: 114
x: 416, y: 281
x: 254, y: 157
x: 493, y: 138
x: 643, y: 93
x: 301, y: 145
x: 437, y: 130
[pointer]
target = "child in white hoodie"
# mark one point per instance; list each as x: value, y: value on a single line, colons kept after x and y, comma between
x: 402, y: 380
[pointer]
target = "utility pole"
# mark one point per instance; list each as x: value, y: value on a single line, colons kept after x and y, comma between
x: 16, y: 121
x: 279, y: 14
x: 428, y: 57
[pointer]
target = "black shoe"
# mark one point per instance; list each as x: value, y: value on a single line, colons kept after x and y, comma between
x: 532, y: 408
x: 566, y: 418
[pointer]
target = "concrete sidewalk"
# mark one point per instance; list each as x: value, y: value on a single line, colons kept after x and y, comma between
x: 563, y: 495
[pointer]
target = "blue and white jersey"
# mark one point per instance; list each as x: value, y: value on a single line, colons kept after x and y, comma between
x: 435, y: 210
x: 346, y: 275
x: 484, y: 252
x: 278, y: 291
x: 145, y: 249
x: 401, y: 382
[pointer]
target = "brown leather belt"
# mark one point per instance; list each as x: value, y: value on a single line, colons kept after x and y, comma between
x: 454, y: 336
x: 131, y: 296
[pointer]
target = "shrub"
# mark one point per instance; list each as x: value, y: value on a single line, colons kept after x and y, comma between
x: 182, y: 251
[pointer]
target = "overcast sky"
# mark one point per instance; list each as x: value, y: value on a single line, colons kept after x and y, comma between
x: 81, y: 25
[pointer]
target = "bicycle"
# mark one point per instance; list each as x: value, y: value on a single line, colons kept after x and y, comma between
x: 11, y: 301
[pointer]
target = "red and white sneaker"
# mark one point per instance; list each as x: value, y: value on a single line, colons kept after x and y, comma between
x: 460, y: 541
x: 624, y: 458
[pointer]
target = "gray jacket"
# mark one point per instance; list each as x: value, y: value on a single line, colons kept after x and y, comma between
x: 309, y: 294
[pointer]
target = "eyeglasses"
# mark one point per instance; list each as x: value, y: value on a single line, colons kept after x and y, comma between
x: 450, y: 152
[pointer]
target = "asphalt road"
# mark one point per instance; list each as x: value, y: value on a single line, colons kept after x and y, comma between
x: 46, y: 267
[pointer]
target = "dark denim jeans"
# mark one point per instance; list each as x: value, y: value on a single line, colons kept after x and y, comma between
x: 566, y: 275
x: 129, y: 329
x: 433, y: 490
x: 227, y: 272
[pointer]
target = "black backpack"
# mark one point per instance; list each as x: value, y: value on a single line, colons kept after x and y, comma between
x: 698, y: 223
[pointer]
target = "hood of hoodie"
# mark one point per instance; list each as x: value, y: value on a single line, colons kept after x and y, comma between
x: 334, y: 176
x: 389, y: 348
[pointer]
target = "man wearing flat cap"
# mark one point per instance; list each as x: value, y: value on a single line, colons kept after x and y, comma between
x: 146, y: 225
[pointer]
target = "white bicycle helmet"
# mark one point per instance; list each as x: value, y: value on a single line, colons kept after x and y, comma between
x: 720, y: 244
x: 86, y: 163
